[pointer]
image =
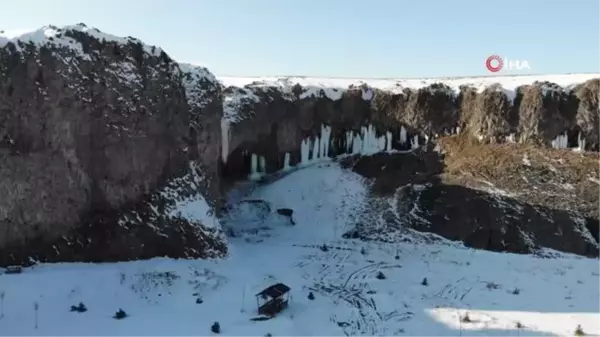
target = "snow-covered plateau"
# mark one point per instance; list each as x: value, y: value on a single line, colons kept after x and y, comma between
x: 142, y: 196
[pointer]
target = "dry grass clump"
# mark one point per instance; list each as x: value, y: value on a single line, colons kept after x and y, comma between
x: 464, y: 155
x: 559, y: 179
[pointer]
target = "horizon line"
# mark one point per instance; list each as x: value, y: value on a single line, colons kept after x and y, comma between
x: 404, y: 78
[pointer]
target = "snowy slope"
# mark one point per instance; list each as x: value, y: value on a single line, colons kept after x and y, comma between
x: 554, y: 295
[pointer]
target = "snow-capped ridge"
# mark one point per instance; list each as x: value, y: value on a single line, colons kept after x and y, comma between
x: 334, y: 88
x: 59, y: 36
x: 195, y: 80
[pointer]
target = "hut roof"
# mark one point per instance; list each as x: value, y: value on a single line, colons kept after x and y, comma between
x: 274, y: 290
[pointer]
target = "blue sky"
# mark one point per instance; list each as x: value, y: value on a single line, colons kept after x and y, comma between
x: 342, y: 38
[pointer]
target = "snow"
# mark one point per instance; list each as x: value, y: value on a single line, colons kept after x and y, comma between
x: 335, y: 87
x: 545, y: 295
x: 53, y: 35
x: 195, y: 207
x: 195, y: 76
x: 554, y: 295
x: 197, y: 210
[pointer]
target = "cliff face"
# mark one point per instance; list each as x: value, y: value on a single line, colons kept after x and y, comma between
x: 97, y: 135
x: 497, y: 203
x: 112, y: 151
x: 272, y: 118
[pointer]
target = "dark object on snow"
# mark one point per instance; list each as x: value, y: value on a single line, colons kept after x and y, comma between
x: 363, y: 251
x: 424, y: 282
x: 199, y: 301
x: 466, y: 318
x: 78, y: 308
x: 579, y: 331
x: 311, y: 296
x: 216, y: 327
x: 516, y: 291
x: 324, y: 247
x: 288, y: 213
x: 353, y: 234
x: 120, y: 314
x: 13, y: 270
x: 380, y: 276
x: 261, y: 318
x: 275, y: 299
x: 268, y: 335
x: 397, y: 257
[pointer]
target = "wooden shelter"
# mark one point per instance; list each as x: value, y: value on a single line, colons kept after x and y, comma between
x: 273, y: 299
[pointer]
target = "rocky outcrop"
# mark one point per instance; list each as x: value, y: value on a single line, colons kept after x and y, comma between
x: 99, y: 142
x: 270, y: 119
x: 504, y: 205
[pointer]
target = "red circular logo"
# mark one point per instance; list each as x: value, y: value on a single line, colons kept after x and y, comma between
x: 491, y: 67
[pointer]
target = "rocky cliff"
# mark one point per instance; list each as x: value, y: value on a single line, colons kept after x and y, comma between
x: 420, y: 134
x: 110, y: 150
x: 273, y: 117
x: 100, y: 145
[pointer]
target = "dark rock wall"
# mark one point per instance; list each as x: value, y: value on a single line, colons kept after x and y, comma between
x: 89, y: 135
x: 270, y: 122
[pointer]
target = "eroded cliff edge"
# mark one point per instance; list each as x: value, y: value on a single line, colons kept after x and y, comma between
x: 532, y: 144
x: 99, y: 145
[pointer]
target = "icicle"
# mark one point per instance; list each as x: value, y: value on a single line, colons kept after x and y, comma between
x: 254, y: 174
x: 304, y: 152
x: 262, y: 165
x: 349, y: 139
x: 580, y: 143
x: 356, y: 144
x: 286, y: 161
x: 403, y: 135
x: 388, y: 146
x: 315, y: 150
x: 382, y: 144
x: 325, y: 140
x: 225, y: 135
x: 560, y: 142
x: 414, y: 144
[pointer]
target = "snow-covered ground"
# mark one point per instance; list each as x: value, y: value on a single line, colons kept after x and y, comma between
x: 509, y: 83
x: 546, y: 296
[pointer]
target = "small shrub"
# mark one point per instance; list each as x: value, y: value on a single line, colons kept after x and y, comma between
x: 79, y: 308
x: 199, y: 301
x: 324, y: 248
x: 424, y: 282
x: 466, y: 318
x: 120, y: 314
x: 311, y: 296
x: 579, y: 331
x: 519, y: 325
x: 492, y: 286
x: 216, y: 328
x: 516, y: 291
x: 268, y: 335
x: 381, y: 276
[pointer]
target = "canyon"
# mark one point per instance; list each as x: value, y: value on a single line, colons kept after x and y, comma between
x: 110, y: 150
